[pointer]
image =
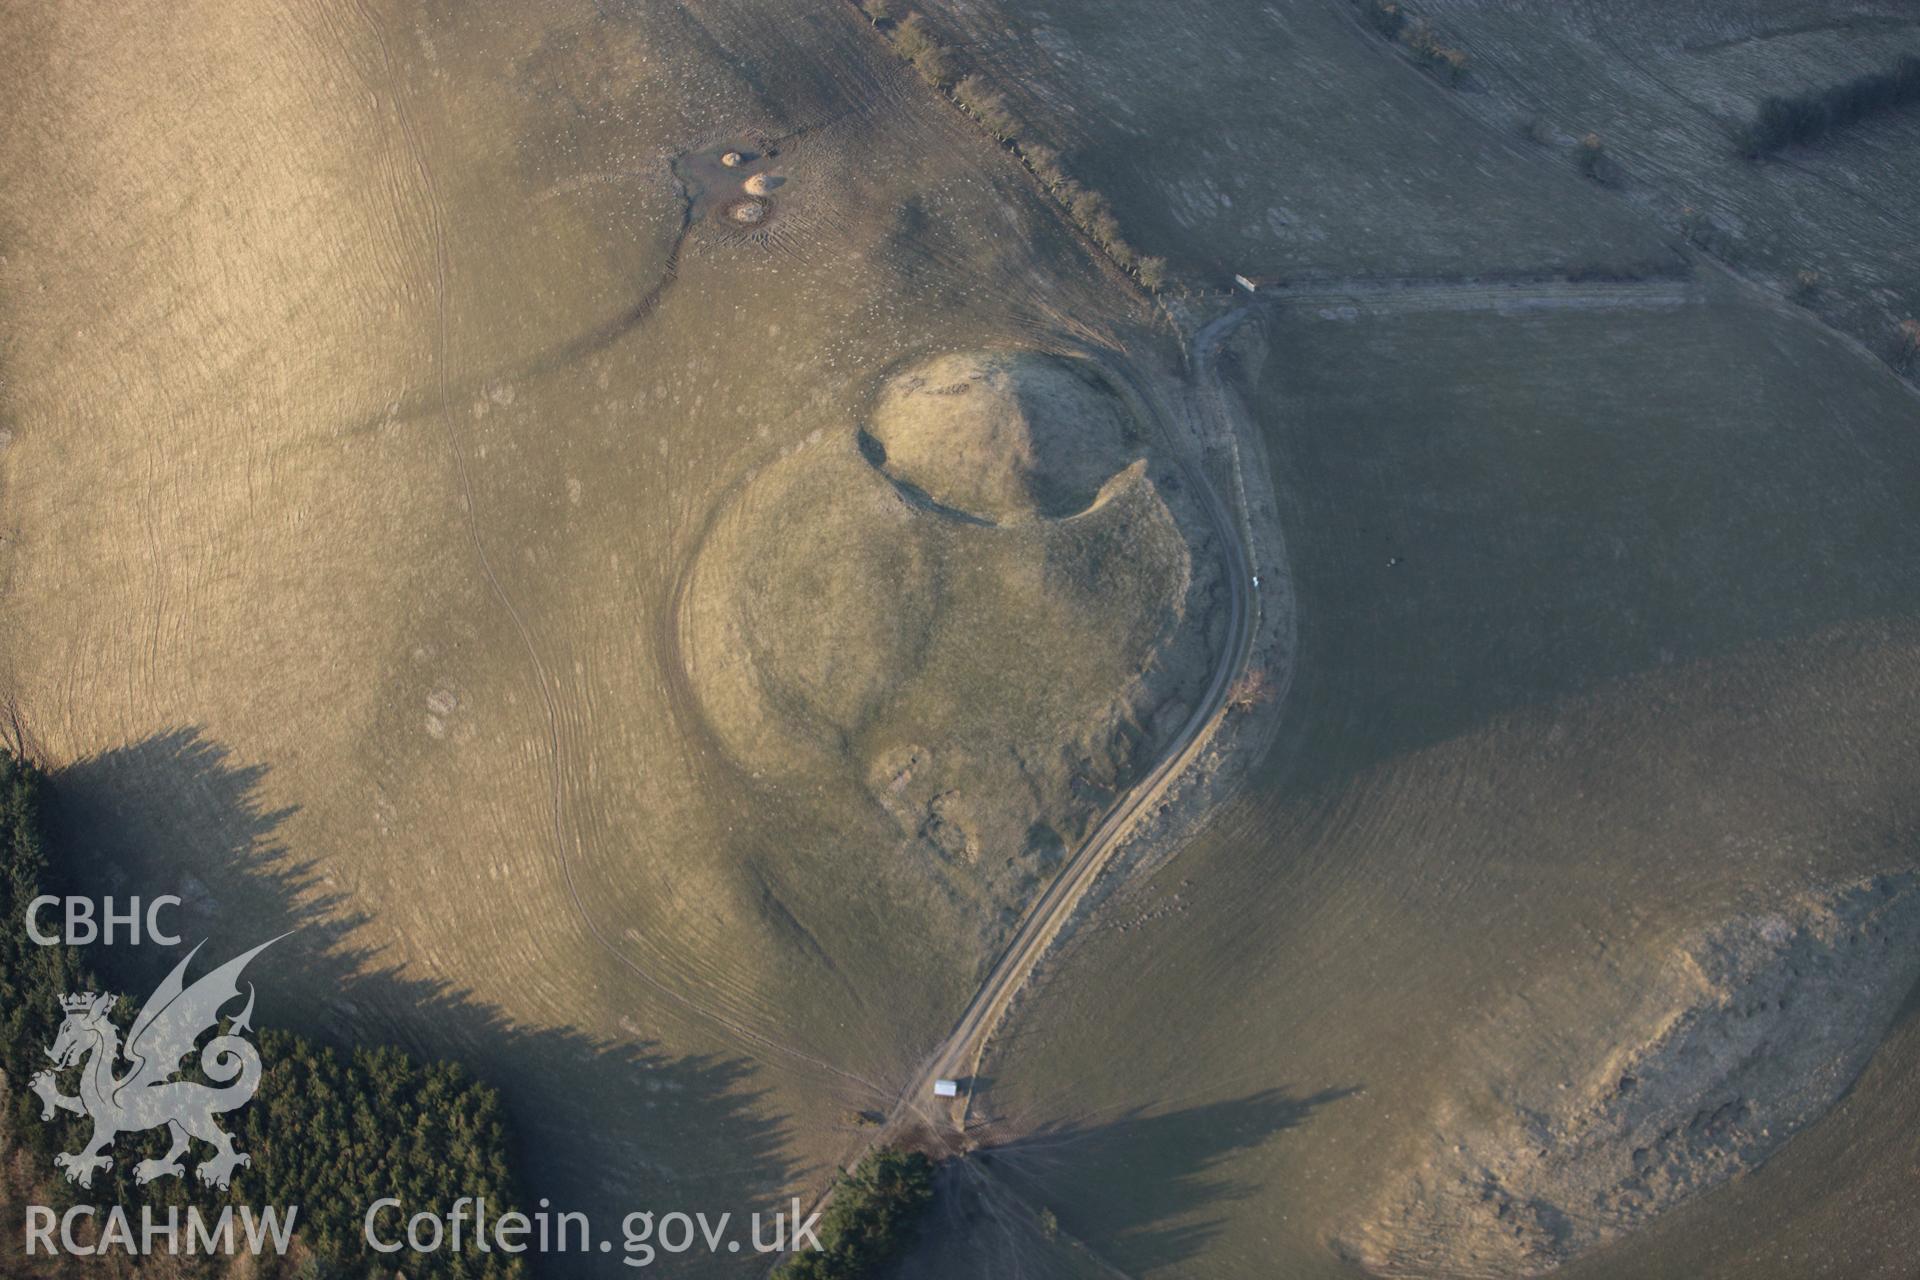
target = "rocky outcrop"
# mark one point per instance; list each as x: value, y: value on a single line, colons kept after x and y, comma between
x: 1753, y: 1031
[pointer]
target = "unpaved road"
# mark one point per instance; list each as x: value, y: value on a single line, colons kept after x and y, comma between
x: 958, y: 1056
x: 1388, y: 296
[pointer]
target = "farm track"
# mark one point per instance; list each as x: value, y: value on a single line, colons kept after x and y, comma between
x: 1412, y: 296
x: 1049, y: 917
x: 959, y: 1055
x: 1666, y: 177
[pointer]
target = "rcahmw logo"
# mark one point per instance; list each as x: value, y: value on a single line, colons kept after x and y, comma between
x: 146, y: 1096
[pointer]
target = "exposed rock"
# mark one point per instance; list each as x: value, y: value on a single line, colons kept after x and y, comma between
x: 1754, y: 1031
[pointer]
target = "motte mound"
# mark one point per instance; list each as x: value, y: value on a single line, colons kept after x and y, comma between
x: 988, y: 686
x: 1003, y: 437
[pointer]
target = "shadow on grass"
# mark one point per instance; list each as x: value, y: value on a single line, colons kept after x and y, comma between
x: 1495, y: 518
x: 599, y: 1126
x: 1134, y: 1193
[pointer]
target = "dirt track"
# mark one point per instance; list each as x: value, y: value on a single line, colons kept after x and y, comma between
x: 958, y: 1056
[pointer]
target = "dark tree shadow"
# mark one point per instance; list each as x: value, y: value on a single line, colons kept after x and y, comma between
x: 606, y: 1128
x: 1132, y: 1193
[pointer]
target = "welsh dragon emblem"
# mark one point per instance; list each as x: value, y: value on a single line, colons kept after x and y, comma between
x: 146, y: 1096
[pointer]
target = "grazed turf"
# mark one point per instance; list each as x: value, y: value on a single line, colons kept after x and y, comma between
x: 1608, y: 636
x: 1282, y: 140
x: 368, y: 402
x: 1667, y: 89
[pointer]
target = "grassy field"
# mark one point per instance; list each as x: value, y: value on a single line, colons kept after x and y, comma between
x: 1607, y: 640
x: 1666, y: 89
x: 1282, y: 139
x: 1288, y: 139
x: 1608, y: 634
x: 653, y: 633
x: 366, y: 421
